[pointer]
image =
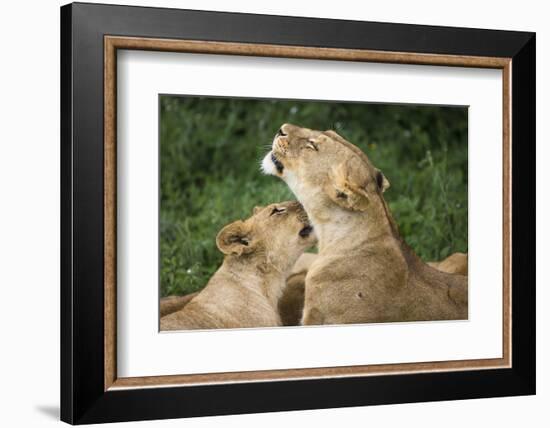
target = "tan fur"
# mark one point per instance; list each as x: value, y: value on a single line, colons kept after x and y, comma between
x: 455, y: 263
x: 365, y: 272
x: 171, y: 304
x: 259, y: 255
x: 291, y: 304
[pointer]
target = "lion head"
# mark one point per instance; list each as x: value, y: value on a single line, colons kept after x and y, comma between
x: 278, y: 233
x: 324, y: 171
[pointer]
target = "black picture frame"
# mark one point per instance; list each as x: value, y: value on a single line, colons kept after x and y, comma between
x: 83, y: 398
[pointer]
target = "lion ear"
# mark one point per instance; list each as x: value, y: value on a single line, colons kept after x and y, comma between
x: 347, y: 185
x: 382, y: 181
x: 234, y: 239
x: 257, y: 209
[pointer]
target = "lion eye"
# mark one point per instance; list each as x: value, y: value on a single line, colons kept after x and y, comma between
x: 276, y: 211
x: 311, y: 145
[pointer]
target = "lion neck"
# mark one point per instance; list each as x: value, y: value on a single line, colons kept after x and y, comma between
x: 259, y: 274
x: 335, y: 225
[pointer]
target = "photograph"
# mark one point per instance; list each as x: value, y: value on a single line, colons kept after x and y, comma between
x: 283, y: 212
x: 272, y: 212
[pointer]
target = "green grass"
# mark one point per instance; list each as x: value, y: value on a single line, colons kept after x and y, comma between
x: 210, y: 149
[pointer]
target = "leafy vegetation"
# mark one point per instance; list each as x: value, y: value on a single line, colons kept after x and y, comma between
x: 210, y: 150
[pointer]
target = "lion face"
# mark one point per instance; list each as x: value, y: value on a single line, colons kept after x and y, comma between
x: 280, y: 232
x: 323, y: 169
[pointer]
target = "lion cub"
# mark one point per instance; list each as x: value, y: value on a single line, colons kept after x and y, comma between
x: 259, y: 254
x: 365, y: 272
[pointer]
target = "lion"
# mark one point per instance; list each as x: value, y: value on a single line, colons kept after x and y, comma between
x: 365, y: 272
x: 291, y: 303
x: 171, y: 304
x: 455, y: 263
x: 259, y: 254
x: 289, y: 306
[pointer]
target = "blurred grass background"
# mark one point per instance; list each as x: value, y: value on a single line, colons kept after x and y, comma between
x: 210, y: 150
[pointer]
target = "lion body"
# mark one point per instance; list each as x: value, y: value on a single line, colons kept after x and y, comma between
x: 259, y: 255
x: 172, y: 304
x: 364, y: 272
x: 233, y: 298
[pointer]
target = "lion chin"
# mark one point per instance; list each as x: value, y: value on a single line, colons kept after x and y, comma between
x: 268, y: 166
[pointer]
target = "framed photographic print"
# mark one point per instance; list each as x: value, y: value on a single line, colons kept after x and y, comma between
x: 265, y: 213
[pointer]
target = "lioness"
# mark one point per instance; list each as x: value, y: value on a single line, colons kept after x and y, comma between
x: 259, y: 254
x: 455, y: 263
x: 291, y: 303
x: 365, y: 272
